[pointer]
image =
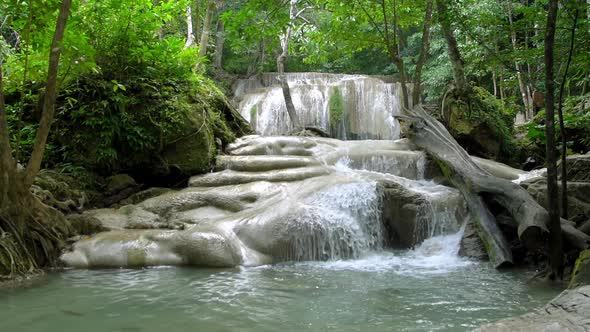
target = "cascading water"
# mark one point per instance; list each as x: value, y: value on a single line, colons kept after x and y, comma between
x: 341, y: 222
x: 346, y: 106
x: 344, y: 221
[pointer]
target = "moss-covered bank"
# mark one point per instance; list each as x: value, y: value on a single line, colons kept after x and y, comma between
x: 480, y: 124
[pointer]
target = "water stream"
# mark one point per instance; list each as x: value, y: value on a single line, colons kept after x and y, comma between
x: 426, y: 289
x: 322, y: 211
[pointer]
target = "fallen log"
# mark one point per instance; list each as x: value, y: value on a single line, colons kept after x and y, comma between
x: 476, y: 185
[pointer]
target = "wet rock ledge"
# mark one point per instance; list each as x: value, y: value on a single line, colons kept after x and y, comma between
x: 569, y: 311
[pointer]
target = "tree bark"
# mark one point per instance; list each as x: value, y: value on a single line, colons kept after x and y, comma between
x: 478, y: 187
x: 417, y: 92
x: 32, y: 233
x: 285, y: 39
x: 524, y: 92
x: 457, y: 63
x: 34, y: 163
x: 219, y: 39
x: 555, y: 241
x: 7, y: 161
x: 564, y: 212
x: 206, y: 28
x: 190, y: 36
x: 256, y: 65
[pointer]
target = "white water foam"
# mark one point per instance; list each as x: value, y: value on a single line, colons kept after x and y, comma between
x: 343, y: 221
x: 368, y: 104
x: 436, y: 255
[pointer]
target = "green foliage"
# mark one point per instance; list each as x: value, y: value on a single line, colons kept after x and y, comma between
x: 129, y: 87
x: 576, y: 118
x: 253, y: 112
x: 336, y: 106
x: 478, y: 111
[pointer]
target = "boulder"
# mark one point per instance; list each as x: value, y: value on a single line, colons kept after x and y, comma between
x: 471, y: 244
x: 145, y: 194
x: 578, y: 198
x: 568, y: 312
x: 413, y: 214
x: 85, y: 224
x: 581, y: 272
x: 128, y: 217
x: 317, y: 199
x: 118, y: 183
x: 153, y: 248
x: 578, y: 168
x: 478, y: 122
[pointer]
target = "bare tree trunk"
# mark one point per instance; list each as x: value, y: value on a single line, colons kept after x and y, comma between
x: 196, y: 16
x: 32, y: 233
x: 555, y: 241
x: 501, y: 86
x: 190, y: 36
x: 455, y: 56
x: 219, y: 39
x: 7, y: 161
x: 480, y: 187
x: 399, y: 64
x: 524, y: 92
x: 495, y: 82
x: 34, y: 163
x: 206, y: 28
x: 564, y: 211
x: 416, y: 93
x: 256, y: 64
x: 285, y: 38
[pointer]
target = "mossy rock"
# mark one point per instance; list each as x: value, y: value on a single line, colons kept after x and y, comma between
x: 581, y: 272
x: 479, y: 123
x: 119, y: 182
x: 160, y: 128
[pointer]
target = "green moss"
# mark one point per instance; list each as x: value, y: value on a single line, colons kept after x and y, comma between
x: 335, y: 106
x: 481, y: 116
x: 253, y: 112
x: 444, y: 168
x: 136, y: 257
x: 581, y: 272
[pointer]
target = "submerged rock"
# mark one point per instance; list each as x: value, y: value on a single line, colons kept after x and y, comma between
x: 568, y: 312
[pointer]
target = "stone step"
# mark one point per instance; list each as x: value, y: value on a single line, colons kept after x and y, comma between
x: 261, y: 163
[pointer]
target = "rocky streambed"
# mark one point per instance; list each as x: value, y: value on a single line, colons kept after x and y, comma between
x: 276, y: 199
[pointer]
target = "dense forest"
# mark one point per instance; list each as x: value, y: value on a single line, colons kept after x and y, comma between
x: 91, y: 90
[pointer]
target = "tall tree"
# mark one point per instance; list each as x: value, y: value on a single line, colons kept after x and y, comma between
x: 526, y: 96
x: 555, y: 240
x: 423, y: 54
x: 19, y: 209
x: 219, y: 38
x: 190, y: 31
x: 204, y: 41
x: 457, y: 63
x: 285, y: 38
x: 564, y: 207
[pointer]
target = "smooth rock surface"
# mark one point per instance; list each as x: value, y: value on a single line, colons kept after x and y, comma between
x: 568, y: 312
x: 277, y: 199
x: 578, y: 168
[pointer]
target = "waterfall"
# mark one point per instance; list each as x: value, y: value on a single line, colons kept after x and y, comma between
x: 342, y: 221
x: 348, y: 107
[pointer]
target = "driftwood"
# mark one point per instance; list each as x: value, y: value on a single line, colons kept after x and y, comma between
x: 479, y: 186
